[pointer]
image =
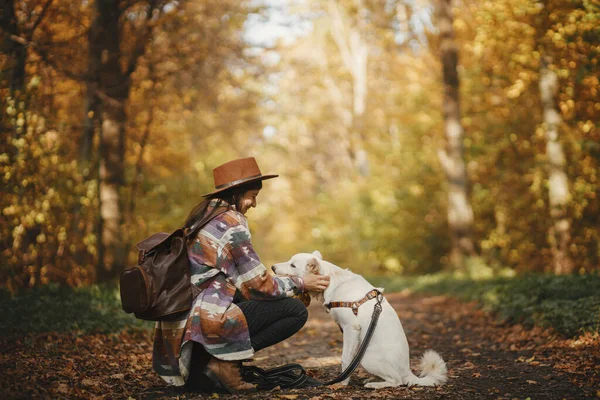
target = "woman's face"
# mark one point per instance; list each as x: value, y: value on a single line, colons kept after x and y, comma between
x: 248, y: 200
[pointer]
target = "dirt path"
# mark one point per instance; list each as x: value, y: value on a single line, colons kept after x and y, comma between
x: 486, y: 360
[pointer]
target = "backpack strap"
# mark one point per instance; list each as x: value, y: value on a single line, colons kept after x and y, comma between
x: 213, y: 213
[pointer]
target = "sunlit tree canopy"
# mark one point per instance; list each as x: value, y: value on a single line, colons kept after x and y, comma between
x: 410, y: 137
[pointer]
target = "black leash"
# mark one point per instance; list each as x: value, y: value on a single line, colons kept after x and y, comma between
x: 289, y: 376
x: 364, y: 344
x: 292, y: 376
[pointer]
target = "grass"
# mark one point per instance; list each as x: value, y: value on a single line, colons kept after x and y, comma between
x: 569, y: 304
x: 54, y: 308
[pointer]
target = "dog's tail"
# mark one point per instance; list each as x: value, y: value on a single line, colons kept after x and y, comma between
x: 433, y: 371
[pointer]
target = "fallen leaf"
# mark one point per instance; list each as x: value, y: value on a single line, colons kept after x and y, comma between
x: 288, y: 396
x: 531, y: 382
x: 63, y: 388
x: 476, y: 375
x: 337, y: 386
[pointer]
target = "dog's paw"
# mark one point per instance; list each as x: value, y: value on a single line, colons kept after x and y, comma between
x: 380, y: 385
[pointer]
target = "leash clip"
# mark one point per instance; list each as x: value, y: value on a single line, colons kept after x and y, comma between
x: 378, y: 306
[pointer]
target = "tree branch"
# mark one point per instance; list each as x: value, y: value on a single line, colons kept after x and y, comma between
x: 46, y: 59
x: 445, y: 161
x: 109, y: 100
x: 39, y: 20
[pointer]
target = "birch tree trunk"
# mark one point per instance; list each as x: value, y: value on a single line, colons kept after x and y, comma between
x: 460, y: 213
x: 558, y: 183
x: 355, y: 54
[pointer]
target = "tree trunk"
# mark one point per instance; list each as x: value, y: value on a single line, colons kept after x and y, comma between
x: 460, y: 213
x: 359, y: 84
x: 15, y: 49
x: 90, y: 121
x: 111, y: 90
x: 355, y: 55
x: 558, y: 184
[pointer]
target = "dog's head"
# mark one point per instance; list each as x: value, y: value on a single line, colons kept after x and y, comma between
x: 300, y: 265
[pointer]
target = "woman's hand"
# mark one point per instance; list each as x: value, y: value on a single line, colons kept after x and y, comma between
x: 315, y: 283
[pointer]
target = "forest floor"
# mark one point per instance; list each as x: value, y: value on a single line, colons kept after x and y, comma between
x: 486, y: 360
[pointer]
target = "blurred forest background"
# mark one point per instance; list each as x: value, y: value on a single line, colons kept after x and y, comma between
x: 410, y: 136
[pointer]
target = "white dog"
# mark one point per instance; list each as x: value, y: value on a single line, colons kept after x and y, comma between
x: 387, y: 355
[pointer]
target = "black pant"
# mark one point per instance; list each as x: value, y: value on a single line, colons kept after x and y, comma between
x: 269, y: 322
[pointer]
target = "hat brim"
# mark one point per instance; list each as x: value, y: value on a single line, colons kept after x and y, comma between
x: 243, y: 182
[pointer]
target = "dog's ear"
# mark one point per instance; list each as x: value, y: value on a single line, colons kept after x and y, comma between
x: 317, y: 254
x: 313, y: 266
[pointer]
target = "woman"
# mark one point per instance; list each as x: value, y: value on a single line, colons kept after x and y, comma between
x: 241, y: 308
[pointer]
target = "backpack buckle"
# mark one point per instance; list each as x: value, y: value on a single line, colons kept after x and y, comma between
x: 141, y: 256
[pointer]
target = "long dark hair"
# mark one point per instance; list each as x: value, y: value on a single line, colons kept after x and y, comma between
x: 226, y: 198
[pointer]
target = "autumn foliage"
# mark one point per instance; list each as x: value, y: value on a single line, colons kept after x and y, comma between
x: 348, y: 112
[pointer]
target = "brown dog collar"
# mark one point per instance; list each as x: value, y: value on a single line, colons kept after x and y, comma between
x: 353, y: 304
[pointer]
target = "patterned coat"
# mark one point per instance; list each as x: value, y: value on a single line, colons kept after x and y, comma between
x: 221, y: 252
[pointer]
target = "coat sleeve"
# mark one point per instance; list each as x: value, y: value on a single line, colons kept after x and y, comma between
x: 249, y: 275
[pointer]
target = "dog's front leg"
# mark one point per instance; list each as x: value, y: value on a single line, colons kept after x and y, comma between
x: 351, y: 342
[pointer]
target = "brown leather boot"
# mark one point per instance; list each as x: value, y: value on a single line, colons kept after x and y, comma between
x: 227, y: 374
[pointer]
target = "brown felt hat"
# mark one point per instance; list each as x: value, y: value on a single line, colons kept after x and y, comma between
x: 236, y: 173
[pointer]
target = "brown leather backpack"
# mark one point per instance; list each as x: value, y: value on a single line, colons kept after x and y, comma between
x: 159, y: 286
